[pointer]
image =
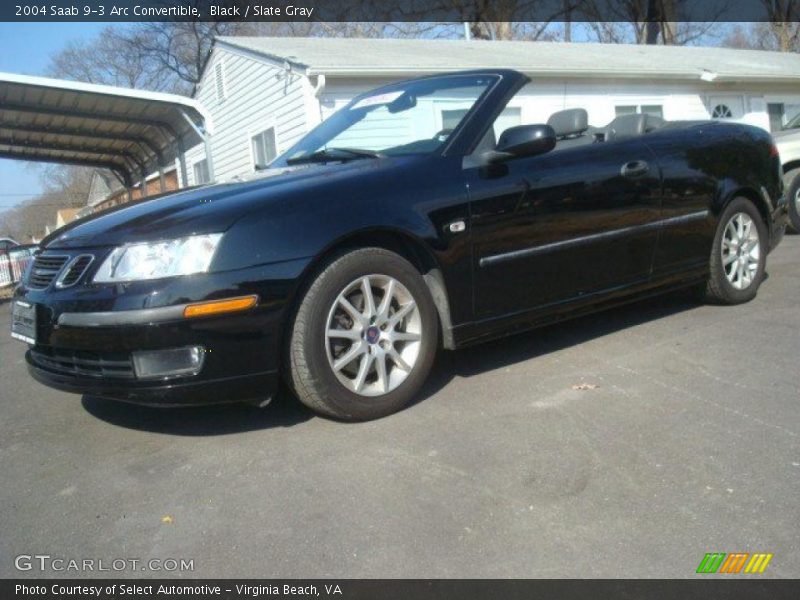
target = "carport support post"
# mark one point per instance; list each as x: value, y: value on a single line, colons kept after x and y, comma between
x: 125, y: 179
x: 206, y: 141
x: 209, y: 161
x: 182, y: 162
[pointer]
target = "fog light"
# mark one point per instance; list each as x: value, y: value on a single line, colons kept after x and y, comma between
x: 173, y: 362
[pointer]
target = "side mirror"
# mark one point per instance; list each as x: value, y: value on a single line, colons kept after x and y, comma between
x: 522, y: 141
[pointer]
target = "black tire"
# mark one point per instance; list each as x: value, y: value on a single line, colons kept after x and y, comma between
x: 793, y: 197
x: 311, y: 374
x: 718, y: 288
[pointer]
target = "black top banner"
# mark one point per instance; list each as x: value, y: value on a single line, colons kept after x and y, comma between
x: 398, y: 10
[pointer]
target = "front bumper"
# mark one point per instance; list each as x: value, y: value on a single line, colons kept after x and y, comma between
x: 239, y: 388
x: 99, y: 323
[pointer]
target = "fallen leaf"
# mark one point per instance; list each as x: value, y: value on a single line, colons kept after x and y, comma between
x: 585, y: 386
x: 166, y: 519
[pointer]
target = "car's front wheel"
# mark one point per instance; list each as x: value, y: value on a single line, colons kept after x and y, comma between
x: 738, y: 257
x: 364, y: 337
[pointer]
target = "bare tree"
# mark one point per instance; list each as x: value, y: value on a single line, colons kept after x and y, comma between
x: 780, y: 32
x: 355, y: 29
x: 69, y: 189
x: 179, y: 48
x: 110, y: 60
x: 775, y: 36
x: 73, y: 184
x: 648, y: 21
x: 509, y: 19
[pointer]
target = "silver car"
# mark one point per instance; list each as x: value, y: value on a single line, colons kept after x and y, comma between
x: 788, y: 142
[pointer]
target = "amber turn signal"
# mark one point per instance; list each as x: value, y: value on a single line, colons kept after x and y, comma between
x: 216, y: 307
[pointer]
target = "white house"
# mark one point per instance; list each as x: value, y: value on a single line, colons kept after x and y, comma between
x: 264, y: 93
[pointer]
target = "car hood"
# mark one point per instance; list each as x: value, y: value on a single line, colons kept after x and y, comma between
x: 207, y: 209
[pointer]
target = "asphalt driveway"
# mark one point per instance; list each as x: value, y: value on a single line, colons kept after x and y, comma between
x: 682, y: 437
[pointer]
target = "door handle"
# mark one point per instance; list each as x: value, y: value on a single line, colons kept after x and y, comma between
x: 634, y: 168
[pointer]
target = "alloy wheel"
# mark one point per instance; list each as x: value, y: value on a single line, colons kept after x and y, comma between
x: 373, y: 335
x: 741, y: 251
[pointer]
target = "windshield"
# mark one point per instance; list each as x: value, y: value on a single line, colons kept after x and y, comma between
x: 794, y: 122
x: 414, y: 117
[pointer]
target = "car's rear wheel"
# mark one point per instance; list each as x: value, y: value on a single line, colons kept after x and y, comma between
x: 364, y: 337
x: 738, y: 257
x: 793, y: 196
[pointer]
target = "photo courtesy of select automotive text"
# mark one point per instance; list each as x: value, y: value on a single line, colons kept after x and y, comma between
x: 400, y: 299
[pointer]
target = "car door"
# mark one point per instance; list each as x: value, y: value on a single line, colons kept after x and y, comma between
x: 691, y: 163
x: 562, y: 225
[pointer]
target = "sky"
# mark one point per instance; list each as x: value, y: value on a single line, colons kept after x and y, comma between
x: 25, y: 48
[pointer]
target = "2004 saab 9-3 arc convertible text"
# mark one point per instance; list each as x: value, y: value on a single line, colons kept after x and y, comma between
x: 419, y: 214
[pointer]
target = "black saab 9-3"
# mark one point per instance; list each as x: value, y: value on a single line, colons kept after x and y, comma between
x: 413, y: 218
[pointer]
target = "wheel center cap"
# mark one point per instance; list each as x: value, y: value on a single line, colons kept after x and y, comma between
x: 373, y: 334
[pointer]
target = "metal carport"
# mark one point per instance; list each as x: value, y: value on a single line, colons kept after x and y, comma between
x: 134, y: 133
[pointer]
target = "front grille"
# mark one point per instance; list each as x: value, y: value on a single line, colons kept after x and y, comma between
x: 44, y: 270
x: 84, y: 363
x: 77, y: 267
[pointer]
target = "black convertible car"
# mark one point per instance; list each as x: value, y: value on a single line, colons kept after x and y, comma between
x: 413, y: 217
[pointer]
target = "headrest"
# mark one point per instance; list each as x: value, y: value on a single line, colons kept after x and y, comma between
x: 626, y: 126
x: 569, y: 122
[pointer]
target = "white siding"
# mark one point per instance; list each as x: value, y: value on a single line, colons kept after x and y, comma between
x: 257, y: 96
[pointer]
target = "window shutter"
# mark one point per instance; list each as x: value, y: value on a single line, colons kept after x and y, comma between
x: 219, y: 80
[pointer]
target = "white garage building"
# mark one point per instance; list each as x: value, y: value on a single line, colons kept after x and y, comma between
x: 264, y: 93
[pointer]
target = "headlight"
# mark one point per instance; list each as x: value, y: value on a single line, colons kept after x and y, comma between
x: 159, y: 259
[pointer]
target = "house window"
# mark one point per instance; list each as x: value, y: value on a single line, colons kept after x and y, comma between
x: 219, y: 81
x: 721, y: 111
x: 263, y: 145
x: 510, y: 117
x: 655, y: 110
x: 451, y: 118
x: 791, y: 118
x: 777, y: 116
x: 201, y: 172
